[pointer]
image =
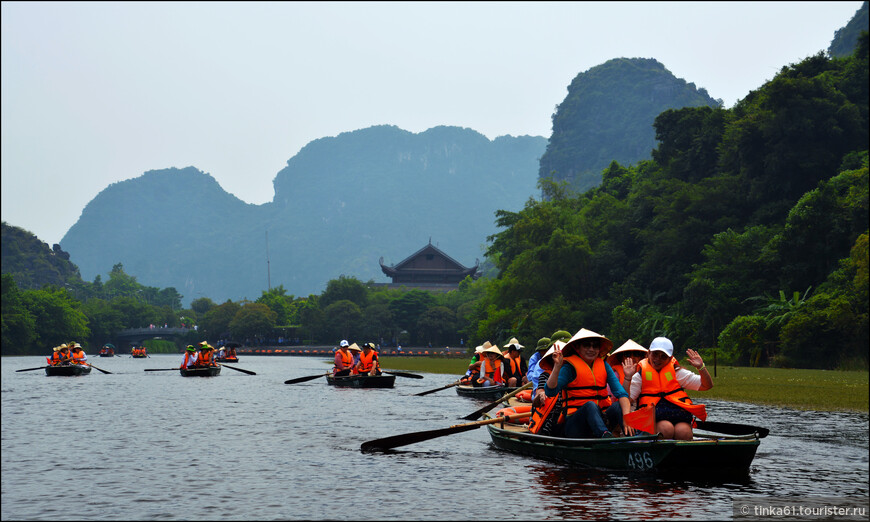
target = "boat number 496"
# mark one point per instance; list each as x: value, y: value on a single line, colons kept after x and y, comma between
x: 640, y: 460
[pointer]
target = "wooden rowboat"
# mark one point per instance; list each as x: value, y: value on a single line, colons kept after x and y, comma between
x: 227, y: 359
x: 484, y: 393
x: 362, y: 381
x: 706, y: 455
x: 205, y: 371
x: 68, y: 370
x: 140, y: 356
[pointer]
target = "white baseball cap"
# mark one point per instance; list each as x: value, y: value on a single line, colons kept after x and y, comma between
x: 343, y: 343
x: 662, y: 344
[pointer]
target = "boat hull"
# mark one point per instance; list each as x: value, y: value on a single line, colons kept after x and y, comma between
x: 71, y: 370
x: 107, y: 355
x: 362, y: 381
x: 208, y: 371
x: 227, y: 359
x: 139, y: 356
x: 707, y: 456
x: 487, y: 393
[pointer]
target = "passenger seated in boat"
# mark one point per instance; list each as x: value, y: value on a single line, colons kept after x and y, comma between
x: 54, y: 358
x: 343, y: 363
x: 625, y: 362
x: 491, y: 372
x: 190, y: 357
x: 473, y: 368
x: 660, y: 376
x: 206, y: 356
x: 368, y: 361
x: 581, y: 377
x: 515, y: 367
x: 78, y: 355
x: 231, y: 352
x: 64, y: 355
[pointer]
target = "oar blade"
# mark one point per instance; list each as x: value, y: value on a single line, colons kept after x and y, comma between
x: 410, y: 438
x: 436, y: 389
x: 249, y: 372
x: 305, y: 379
x: 161, y: 369
x: 403, y: 374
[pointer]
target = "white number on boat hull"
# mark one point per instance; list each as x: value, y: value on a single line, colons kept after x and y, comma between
x: 640, y: 460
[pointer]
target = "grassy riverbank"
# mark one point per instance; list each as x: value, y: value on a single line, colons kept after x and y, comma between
x: 821, y: 390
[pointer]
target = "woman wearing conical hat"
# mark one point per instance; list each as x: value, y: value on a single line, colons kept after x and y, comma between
x: 581, y: 377
x: 491, y: 367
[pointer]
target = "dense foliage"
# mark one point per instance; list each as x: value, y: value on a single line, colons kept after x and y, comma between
x: 746, y: 232
x: 846, y: 39
x: 608, y: 115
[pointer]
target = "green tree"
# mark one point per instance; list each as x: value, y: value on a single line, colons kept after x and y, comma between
x: 18, y: 324
x: 279, y: 302
x: 215, y: 324
x: 58, y: 317
x: 343, y: 319
x: 253, y: 320
x: 437, y: 325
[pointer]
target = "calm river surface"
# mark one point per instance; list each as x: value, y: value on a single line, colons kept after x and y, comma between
x: 139, y: 445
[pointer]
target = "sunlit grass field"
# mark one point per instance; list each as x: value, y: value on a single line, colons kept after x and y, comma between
x: 822, y: 390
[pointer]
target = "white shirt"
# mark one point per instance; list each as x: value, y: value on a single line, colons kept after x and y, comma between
x: 190, y: 360
x: 688, y: 380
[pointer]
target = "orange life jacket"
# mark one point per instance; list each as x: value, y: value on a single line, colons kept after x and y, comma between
x: 78, y: 357
x: 655, y: 385
x: 368, y: 362
x: 590, y: 384
x: 187, y: 357
x: 346, y: 359
x: 492, y: 370
x: 515, y: 367
x: 540, y: 415
x: 55, y: 358
x: 206, y: 358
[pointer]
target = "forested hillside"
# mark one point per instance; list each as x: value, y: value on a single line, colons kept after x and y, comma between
x: 746, y: 231
x: 608, y: 115
x: 32, y: 262
x: 846, y: 38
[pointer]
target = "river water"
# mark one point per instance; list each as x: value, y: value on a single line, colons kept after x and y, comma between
x: 138, y: 445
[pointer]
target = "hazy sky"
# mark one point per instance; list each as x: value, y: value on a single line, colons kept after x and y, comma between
x: 95, y: 93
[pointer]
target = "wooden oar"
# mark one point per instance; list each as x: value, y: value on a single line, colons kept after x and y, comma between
x: 478, y: 413
x: 403, y: 374
x: 249, y: 372
x: 102, y: 370
x: 732, y: 429
x: 162, y: 369
x: 419, y: 436
x: 305, y: 379
x: 31, y: 369
x: 437, y: 389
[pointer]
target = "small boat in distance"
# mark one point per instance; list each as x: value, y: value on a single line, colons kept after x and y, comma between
x: 68, y: 370
x: 201, y: 371
x: 484, y: 393
x: 108, y: 350
x: 362, y: 381
x: 227, y: 353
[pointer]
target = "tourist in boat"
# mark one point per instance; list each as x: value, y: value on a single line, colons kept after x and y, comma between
x: 64, y: 355
x: 491, y: 369
x: 190, y: 357
x: 206, y: 355
x: 625, y: 361
x: 343, y: 363
x: 78, y: 354
x: 534, y: 373
x: 231, y: 352
x: 54, y: 358
x: 473, y: 368
x: 368, y: 361
x: 515, y: 367
x: 581, y: 376
x: 660, y: 376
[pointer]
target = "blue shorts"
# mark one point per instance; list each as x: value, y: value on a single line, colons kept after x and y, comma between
x: 665, y: 410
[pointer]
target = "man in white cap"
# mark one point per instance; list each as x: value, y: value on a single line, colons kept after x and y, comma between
x: 343, y: 359
x: 474, y: 367
x: 515, y: 366
x: 661, y: 377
